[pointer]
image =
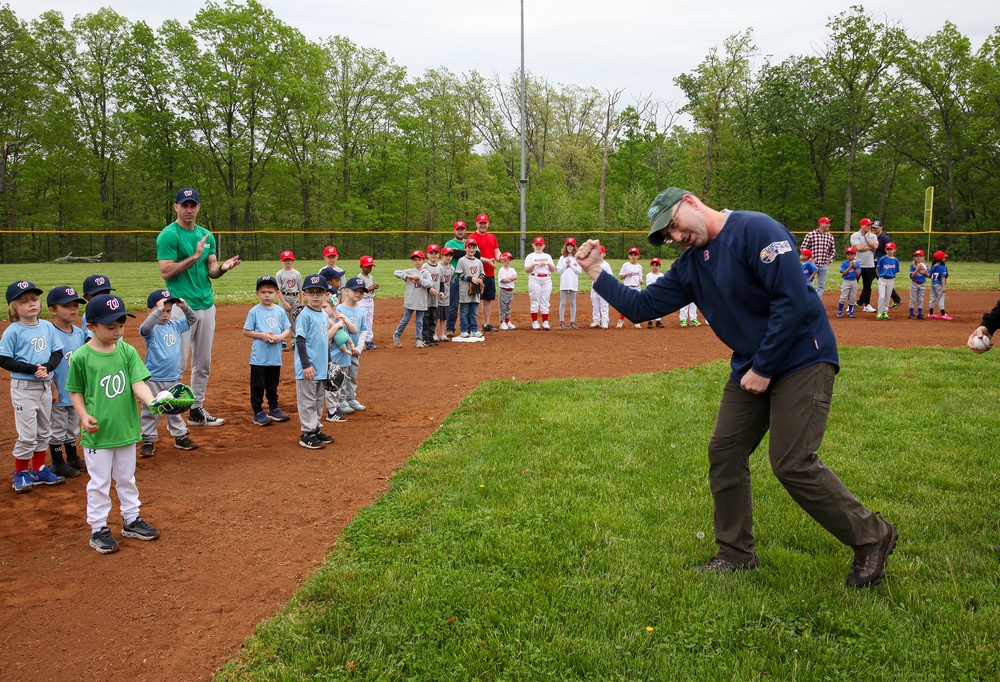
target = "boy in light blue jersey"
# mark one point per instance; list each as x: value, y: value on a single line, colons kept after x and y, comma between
x: 64, y: 306
x: 313, y: 330
x: 350, y: 361
x: 268, y: 325
x: 163, y: 360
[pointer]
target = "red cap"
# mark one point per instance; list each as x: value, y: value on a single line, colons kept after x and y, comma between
x: 482, y: 218
x: 850, y: 249
x: 447, y: 251
x: 285, y: 255
x: 538, y: 240
x: 806, y: 252
x: 890, y: 245
x: 865, y: 221
x: 417, y: 254
x: 433, y: 247
x: 330, y: 251
x: 571, y: 240
x: 366, y: 261
x: 940, y: 255
x: 472, y: 241
x: 822, y: 220
x: 654, y: 260
x: 633, y: 250
x: 507, y: 254
x: 918, y: 252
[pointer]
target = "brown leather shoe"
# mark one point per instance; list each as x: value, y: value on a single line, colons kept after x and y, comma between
x: 868, y: 568
x: 719, y: 565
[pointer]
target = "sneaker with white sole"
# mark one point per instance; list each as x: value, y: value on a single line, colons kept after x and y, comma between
x: 335, y: 416
x: 535, y: 325
x: 421, y: 344
x: 545, y: 326
x: 595, y: 325
x: 510, y: 325
x: 184, y: 443
x: 147, y: 449
x: 463, y: 335
x: 868, y: 309
x: 356, y: 406
x: 396, y: 341
x: 44, y: 476
x: 477, y: 335
x: 309, y: 440
x: 261, y: 418
x: 503, y: 326
x: 277, y: 415
x: 103, y: 541
x: 199, y: 416
x: 140, y: 530
x: 604, y: 325
x: 322, y: 437
x: 344, y: 408
x: 620, y: 325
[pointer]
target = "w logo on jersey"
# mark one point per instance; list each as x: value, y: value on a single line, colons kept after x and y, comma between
x: 271, y: 322
x: 169, y: 339
x: 114, y: 384
x: 39, y: 344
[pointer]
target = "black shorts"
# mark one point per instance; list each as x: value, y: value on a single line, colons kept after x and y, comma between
x: 441, y: 313
x: 489, y: 289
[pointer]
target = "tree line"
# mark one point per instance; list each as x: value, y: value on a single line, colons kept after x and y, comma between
x: 102, y: 119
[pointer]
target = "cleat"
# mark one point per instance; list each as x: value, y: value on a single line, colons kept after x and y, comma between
x: 572, y: 325
x: 946, y: 316
x: 535, y: 325
x: 184, y: 443
x: 562, y: 326
x: 510, y: 325
x: 65, y: 470
x: 370, y: 346
x: 140, y: 530
x: 147, y: 449
x: 545, y: 326
x: 659, y: 324
x: 22, y: 482
x: 868, y: 308
x: 44, y: 476
x: 684, y: 323
x: 620, y: 325
x: 695, y: 323
x: 103, y: 541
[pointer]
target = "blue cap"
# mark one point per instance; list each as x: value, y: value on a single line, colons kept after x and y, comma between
x: 316, y: 282
x: 64, y: 296
x: 160, y: 295
x: 105, y: 309
x: 21, y: 287
x: 356, y: 283
x: 187, y: 194
x: 267, y: 279
x: 96, y: 284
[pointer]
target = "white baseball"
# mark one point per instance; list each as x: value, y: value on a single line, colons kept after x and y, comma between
x: 981, y: 342
x: 164, y: 395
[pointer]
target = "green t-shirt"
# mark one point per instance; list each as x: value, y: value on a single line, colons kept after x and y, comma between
x: 193, y: 285
x: 105, y: 380
x: 458, y: 246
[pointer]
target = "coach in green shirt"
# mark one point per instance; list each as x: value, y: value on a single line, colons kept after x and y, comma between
x: 186, y: 252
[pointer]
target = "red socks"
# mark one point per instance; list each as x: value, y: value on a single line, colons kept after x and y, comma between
x: 38, y: 460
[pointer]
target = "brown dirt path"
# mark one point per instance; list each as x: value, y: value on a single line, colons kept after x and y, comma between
x: 247, y: 516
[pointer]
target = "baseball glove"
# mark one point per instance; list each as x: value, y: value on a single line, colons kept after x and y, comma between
x: 174, y: 400
x: 475, y: 289
x: 335, y: 377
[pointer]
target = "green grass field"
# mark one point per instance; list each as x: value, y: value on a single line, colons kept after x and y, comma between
x: 134, y: 281
x: 561, y: 548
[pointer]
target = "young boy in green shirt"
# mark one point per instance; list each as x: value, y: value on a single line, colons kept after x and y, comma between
x: 105, y: 377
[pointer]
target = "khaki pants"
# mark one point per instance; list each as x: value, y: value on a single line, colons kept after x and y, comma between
x: 794, y: 409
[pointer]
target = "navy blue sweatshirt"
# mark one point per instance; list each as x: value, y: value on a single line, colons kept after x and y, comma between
x: 748, y: 283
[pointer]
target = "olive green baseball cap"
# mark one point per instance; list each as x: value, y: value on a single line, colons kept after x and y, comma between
x: 659, y: 212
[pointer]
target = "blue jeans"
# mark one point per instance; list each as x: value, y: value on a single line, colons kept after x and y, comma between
x: 418, y: 322
x: 452, y: 305
x: 470, y: 317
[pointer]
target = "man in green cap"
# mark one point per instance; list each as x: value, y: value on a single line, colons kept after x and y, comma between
x: 742, y: 270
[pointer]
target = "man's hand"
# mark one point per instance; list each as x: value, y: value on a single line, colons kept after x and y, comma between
x: 754, y: 383
x: 230, y: 263
x: 589, y: 257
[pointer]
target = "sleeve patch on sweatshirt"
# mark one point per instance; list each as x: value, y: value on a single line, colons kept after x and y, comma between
x: 773, y: 250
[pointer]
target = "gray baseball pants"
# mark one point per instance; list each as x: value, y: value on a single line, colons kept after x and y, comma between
x: 32, y: 401
x: 196, y: 344
x: 65, y: 425
x: 309, y: 398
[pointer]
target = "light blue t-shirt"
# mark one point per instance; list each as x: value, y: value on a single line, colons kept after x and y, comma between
x: 313, y: 326
x: 70, y: 341
x: 163, y: 350
x: 261, y: 319
x: 357, y: 316
x: 32, y: 344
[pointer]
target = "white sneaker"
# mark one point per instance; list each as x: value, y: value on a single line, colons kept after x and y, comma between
x: 477, y: 335
x: 638, y: 326
x: 420, y: 344
x: 604, y: 325
x: 545, y: 325
x: 463, y: 335
x: 620, y: 325
x: 510, y: 325
x: 503, y: 326
x: 868, y: 309
x: 444, y: 338
x: 535, y: 325
x: 595, y: 325
x: 435, y: 337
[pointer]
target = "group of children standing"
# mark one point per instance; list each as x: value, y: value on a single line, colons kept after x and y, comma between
x: 886, y: 269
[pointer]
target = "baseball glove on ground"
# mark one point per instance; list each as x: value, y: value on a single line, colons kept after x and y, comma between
x: 335, y: 377
x: 174, y: 400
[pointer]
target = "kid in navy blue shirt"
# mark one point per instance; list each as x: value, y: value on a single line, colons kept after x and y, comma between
x: 887, y: 268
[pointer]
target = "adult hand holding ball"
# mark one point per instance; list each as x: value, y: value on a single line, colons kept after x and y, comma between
x: 979, y: 341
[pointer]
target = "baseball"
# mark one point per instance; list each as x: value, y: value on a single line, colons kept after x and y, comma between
x: 164, y: 395
x: 981, y: 342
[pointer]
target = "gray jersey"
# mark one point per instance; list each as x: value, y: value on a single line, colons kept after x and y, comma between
x: 465, y: 271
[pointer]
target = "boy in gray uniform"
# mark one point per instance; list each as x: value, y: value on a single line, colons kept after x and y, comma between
x: 469, y: 270
x: 289, y: 285
x: 418, y: 282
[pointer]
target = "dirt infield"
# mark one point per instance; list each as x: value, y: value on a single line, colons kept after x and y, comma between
x: 249, y: 514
